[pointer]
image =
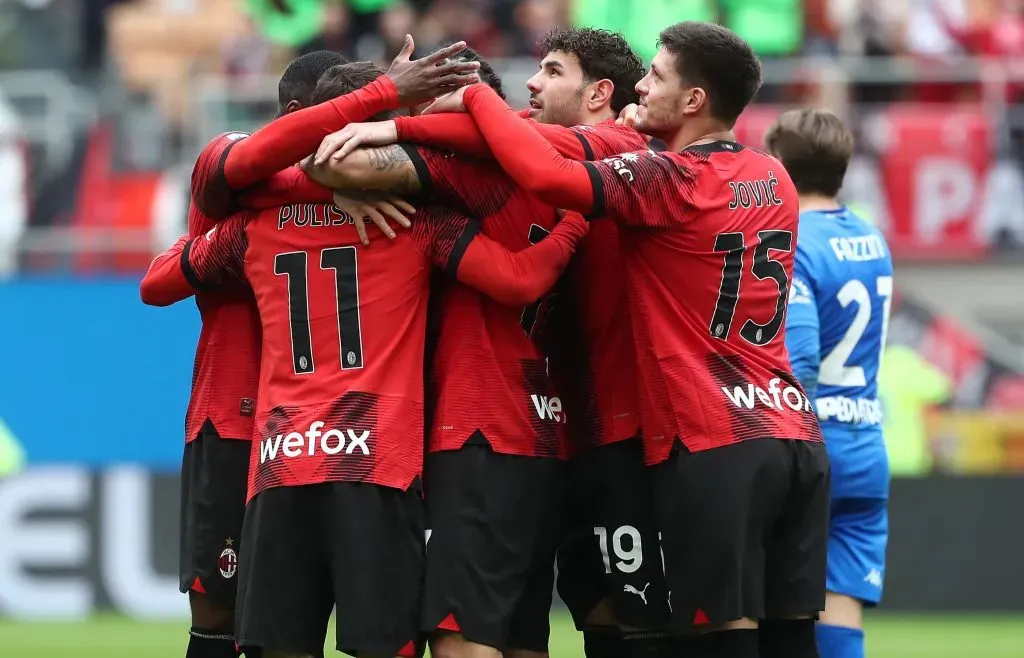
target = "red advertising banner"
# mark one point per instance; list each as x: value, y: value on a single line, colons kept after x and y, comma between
x: 931, y: 176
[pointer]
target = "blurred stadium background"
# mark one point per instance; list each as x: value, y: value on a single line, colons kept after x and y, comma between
x: 105, y: 103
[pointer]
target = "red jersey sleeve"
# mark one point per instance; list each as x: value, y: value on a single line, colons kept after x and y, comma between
x: 164, y: 283
x: 453, y: 243
x: 291, y: 185
x: 459, y: 133
x: 235, y: 161
x: 640, y: 188
x: 526, y: 156
x: 442, y: 235
x: 519, y: 278
x: 643, y: 188
x: 217, y: 259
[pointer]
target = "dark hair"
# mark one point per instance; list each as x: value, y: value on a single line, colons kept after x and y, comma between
x: 602, y: 55
x: 815, y: 148
x: 346, y: 78
x: 717, y: 59
x: 486, y: 72
x: 300, y: 78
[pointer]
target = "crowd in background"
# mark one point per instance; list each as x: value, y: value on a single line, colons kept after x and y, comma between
x: 370, y: 29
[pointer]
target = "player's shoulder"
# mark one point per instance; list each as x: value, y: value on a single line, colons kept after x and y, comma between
x: 210, y: 191
x: 216, y: 147
x: 612, y: 137
x: 235, y: 223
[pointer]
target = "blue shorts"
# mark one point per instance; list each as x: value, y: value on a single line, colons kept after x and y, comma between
x: 858, y: 532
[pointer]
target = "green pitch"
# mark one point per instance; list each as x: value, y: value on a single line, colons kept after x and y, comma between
x: 889, y: 636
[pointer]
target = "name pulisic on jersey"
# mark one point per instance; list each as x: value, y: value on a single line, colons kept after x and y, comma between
x: 303, y: 215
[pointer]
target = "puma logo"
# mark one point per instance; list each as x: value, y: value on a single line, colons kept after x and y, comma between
x: 642, y: 593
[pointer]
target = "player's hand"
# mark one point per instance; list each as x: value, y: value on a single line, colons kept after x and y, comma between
x: 574, y: 224
x: 453, y: 102
x: 627, y: 117
x: 376, y: 209
x: 431, y: 76
x: 337, y: 145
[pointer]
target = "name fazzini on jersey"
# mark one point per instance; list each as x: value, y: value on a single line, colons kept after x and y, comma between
x: 858, y: 248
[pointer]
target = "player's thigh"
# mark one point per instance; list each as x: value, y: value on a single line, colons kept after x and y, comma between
x: 375, y: 541
x: 284, y: 591
x: 797, y: 543
x: 214, y: 476
x: 490, y: 517
x: 857, y: 538
x: 714, y: 509
x: 615, y: 560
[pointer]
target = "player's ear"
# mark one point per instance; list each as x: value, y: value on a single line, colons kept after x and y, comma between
x: 599, y: 94
x: 292, y: 106
x: 694, y: 100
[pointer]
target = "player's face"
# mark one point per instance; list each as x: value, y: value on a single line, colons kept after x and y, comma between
x: 556, y: 90
x: 664, y: 100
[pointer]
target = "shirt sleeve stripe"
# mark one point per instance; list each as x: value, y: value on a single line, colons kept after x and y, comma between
x: 223, y: 162
x: 422, y: 170
x: 461, y: 244
x: 588, y: 150
x: 598, y: 186
x: 186, y: 267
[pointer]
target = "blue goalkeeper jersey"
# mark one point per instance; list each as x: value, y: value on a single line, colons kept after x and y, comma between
x: 838, y: 314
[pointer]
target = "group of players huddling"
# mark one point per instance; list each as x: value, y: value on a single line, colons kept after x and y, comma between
x: 410, y: 427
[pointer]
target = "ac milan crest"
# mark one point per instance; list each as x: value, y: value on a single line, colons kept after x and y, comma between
x: 228, y: 562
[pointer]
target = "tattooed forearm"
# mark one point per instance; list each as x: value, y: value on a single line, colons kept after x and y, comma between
x: 387, y: 158
x: 385, y: 169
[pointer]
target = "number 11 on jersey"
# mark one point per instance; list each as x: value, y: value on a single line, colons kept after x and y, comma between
x: 294, y: 265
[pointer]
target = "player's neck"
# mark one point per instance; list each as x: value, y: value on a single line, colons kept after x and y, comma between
x: 809, y: 202
x: 594, y: 118
x: 702, y: 132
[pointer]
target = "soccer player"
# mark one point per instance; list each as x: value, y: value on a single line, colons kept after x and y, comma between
x: 838, y: 315
x: 334, y: 502
x: 740, y: 471
x: 219, y: 424
x: 610, y: 572
x: 494, y: 463
x: 220, y: 412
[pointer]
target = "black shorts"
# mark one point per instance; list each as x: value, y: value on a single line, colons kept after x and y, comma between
x: 612, y: 549
x: 214, y: 477
x: 356, y: 546
x: 490, y: 556
x: 744, y: 530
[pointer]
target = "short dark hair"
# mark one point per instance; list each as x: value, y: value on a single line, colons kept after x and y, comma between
x: 814, y: 146
x: 603, y: 55
x: 717, y: 59
x: 487, y: 74
x: 299, y: 80
x: 346, y: 78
